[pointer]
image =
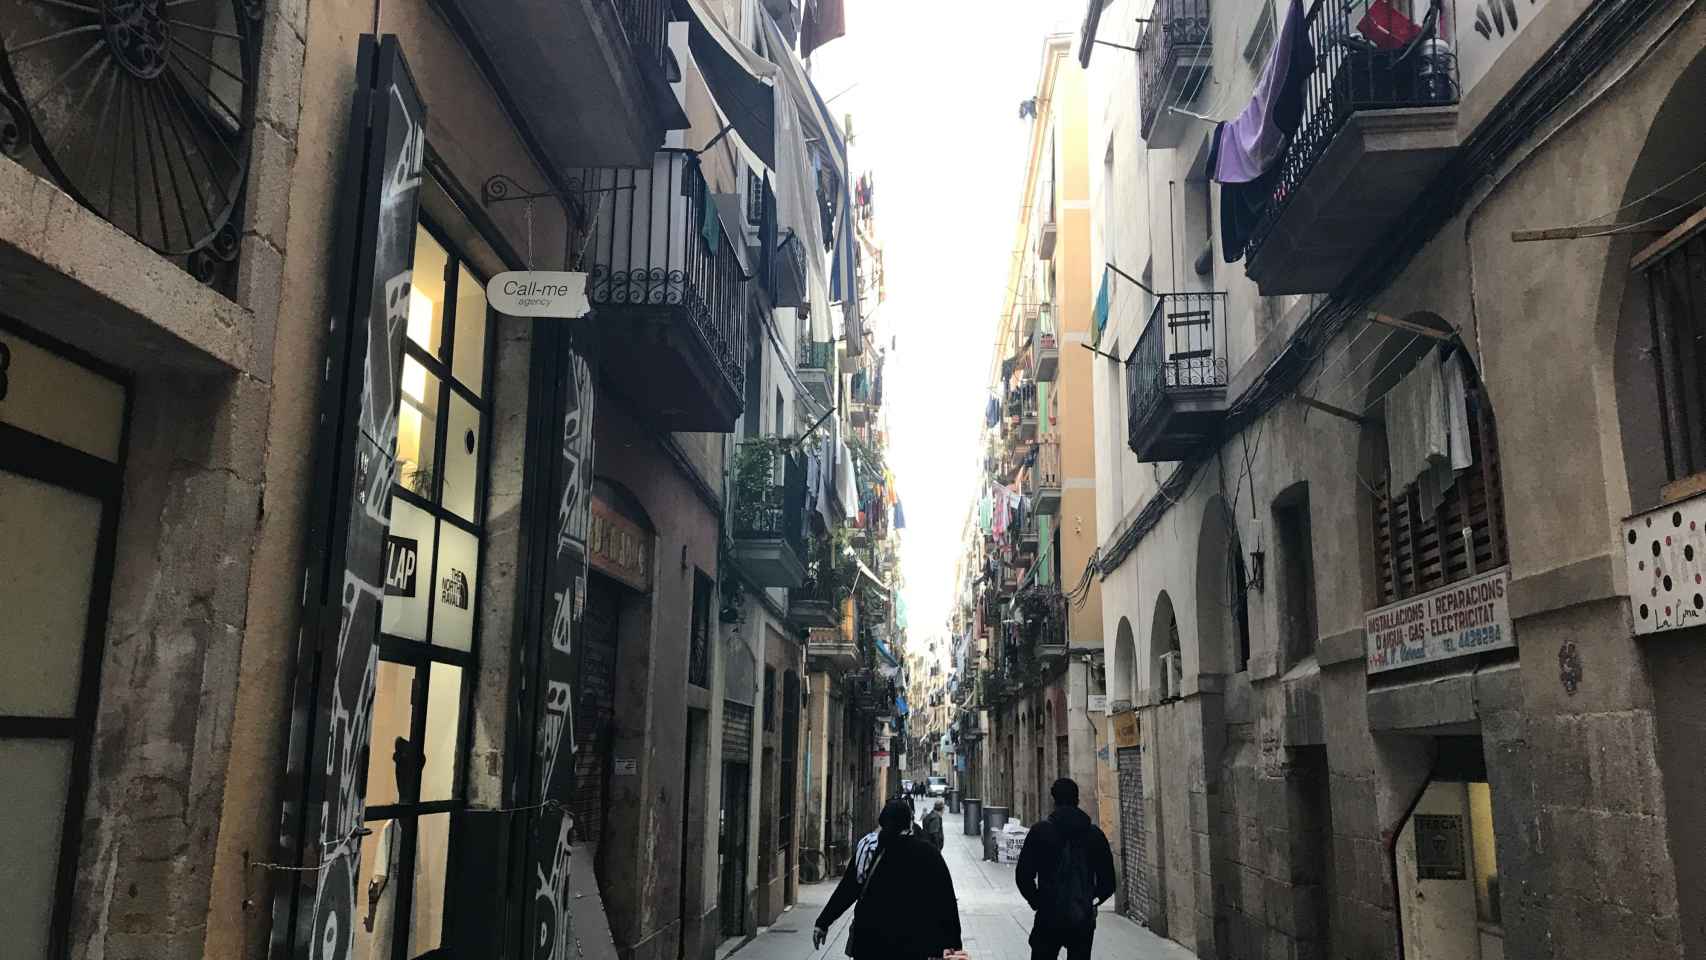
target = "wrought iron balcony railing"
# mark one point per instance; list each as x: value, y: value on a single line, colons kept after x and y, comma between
x: 1352, y: 74
x: 769, y: 512
x: 1042, y: 478
x: 1043, y: 616
x: 1181, y: 353
x: 816, y: 355
x: 1172, y: 53
x: 646, y: 24
x: 658, y: 252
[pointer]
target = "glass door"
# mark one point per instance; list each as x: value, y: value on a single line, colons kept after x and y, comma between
x: 427, y: 647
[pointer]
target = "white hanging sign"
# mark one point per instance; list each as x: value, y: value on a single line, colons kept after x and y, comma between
x: 539, y: 293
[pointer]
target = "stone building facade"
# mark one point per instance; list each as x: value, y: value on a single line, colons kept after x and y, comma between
x: 1370, y: 718
x: 380, y: 622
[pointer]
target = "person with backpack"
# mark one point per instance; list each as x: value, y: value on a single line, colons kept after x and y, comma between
x: 906, y: 907
x: 1065, y: 871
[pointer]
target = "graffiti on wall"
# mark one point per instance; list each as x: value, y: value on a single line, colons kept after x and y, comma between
x: 355, y: 558
x: 1486, y: 29
x: 566, y: 582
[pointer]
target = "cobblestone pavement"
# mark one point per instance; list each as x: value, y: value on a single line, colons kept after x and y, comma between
x: 994, y: 920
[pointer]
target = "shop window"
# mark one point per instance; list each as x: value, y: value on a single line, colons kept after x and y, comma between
x: 62, y: 424
x: 1446, y: 524
x: 427, y: 646
x: 1676, y: 295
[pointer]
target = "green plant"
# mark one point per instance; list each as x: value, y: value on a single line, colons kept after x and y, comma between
x: 753, y: 469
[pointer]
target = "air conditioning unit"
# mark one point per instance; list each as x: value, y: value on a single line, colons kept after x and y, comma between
x: 1172, y: 675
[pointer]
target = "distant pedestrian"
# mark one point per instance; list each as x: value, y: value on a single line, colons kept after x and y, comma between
x: 1065, y: 871
x: 933, y: 826
x: 906, y: 908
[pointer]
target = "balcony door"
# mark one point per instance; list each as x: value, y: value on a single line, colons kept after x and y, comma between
x: 62, y: 424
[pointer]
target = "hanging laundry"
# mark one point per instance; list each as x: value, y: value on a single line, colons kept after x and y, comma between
x: 1457, y: 411
x: 1245, y: 151
x: 1416, y: 439
x: 1099, y: 317
x: 992, y: 413
x: 899, y: 517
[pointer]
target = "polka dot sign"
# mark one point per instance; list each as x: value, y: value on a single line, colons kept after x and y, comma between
x: 1666, y: 550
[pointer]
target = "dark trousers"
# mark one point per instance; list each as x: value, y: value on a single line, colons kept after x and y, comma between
x: 1047, y: 944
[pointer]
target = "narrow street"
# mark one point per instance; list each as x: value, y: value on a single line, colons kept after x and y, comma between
x: 994, y: 920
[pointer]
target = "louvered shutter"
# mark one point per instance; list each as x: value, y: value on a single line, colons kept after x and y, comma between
x: 1413, y: 555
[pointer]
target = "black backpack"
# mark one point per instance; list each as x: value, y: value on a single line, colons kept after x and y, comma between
x: 1073, y: 892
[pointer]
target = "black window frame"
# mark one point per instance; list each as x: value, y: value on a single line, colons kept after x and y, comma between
x: 421, y: 655
x: 47, y: 461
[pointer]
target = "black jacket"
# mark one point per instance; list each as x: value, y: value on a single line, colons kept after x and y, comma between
x: 1042, y: 848
x: 907, y: 908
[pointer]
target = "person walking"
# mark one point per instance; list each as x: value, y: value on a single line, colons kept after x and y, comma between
x: 906, y: 907
x: 933, y: 826
x: 1065, y: 871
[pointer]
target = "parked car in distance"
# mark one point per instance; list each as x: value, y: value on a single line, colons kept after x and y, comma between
x: 938, y: 786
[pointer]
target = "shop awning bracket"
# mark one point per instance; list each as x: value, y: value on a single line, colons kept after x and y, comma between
x: 500, y: 187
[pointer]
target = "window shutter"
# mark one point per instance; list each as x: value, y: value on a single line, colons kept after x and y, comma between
x: 354, y: 471
x: 1413, y: 555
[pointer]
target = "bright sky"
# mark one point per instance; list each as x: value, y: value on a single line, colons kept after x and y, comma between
x: 935, y: 116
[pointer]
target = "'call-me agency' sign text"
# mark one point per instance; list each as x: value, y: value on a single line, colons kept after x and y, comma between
x: 539, y: 293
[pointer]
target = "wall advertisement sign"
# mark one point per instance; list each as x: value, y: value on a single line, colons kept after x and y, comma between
x: 619, y: 548
x: 1126, y: 733
x: 1470, y: 616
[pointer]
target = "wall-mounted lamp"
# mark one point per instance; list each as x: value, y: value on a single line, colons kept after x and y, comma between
x: 1258, y: 569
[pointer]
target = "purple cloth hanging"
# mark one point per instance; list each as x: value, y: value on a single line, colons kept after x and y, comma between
x: 1247, y: 149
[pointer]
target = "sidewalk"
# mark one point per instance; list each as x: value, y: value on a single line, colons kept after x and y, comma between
x: 994, y: 920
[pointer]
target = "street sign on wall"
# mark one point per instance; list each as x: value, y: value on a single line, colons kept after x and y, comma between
x: 1470, y: 616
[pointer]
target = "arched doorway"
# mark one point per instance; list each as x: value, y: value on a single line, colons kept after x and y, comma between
x: 1166, y: 666
x: 1660, y: 370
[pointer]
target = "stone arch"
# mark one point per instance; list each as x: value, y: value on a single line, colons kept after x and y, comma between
x: 1123, y: 685
x: 1223, y: 605
x: 1659, y: 185
x: 1163, y: 639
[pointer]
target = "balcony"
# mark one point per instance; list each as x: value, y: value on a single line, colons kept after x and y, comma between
x: 769, y: 514
x: 865, y: 396
x: 669, y: 302
x: 1176, y: 377
x: 1021, y: 411
x: 817, y: 369
x: 609, y: 105
x: 1042, y: 480
x: 1043, y: 624
x: 829, y: 647
x: 1173, y: 62
x: 1045, y: 348
x: 1377, y: 127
